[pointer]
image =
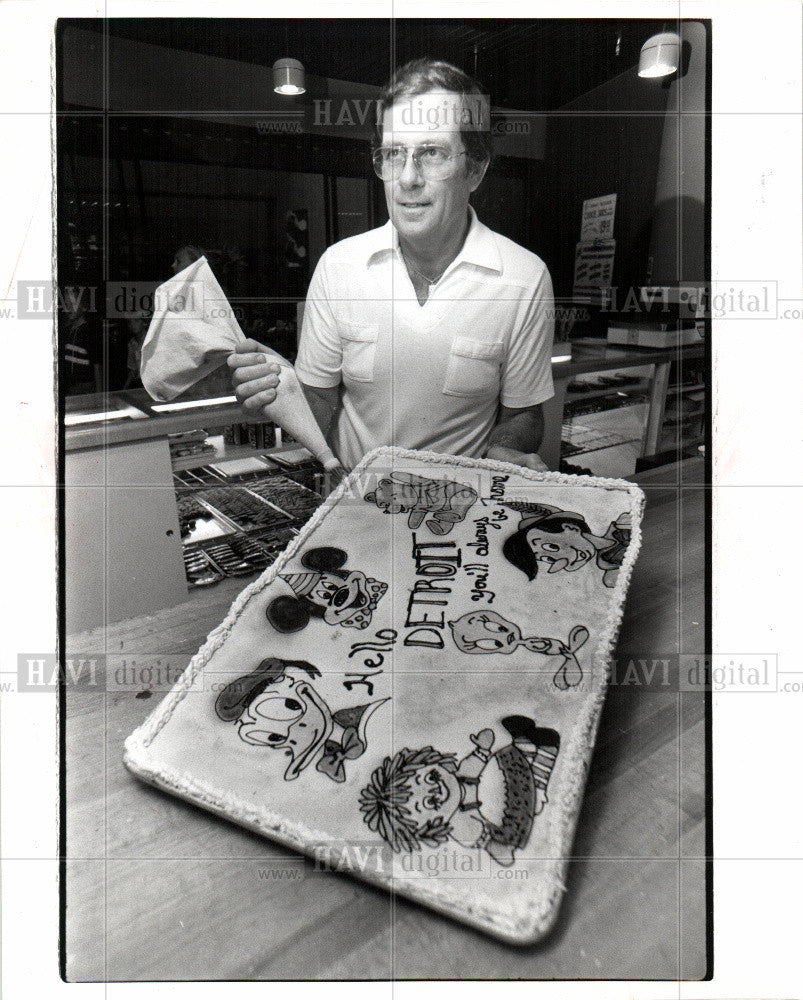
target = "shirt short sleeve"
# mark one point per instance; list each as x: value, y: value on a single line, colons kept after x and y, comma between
x: 320, y: 353
x: 527, y: 369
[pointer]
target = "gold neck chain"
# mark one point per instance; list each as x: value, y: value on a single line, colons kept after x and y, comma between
x: 409, y: 264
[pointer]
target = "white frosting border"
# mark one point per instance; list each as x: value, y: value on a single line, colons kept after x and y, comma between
x: 542, y: 908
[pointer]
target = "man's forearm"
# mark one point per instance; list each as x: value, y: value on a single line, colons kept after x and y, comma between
x: 519, y: 430
x: 324, y: 403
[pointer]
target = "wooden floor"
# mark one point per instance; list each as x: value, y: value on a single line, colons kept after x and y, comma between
x: 157, y: 889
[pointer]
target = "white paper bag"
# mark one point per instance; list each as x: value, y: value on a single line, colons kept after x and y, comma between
x: 192, y: 332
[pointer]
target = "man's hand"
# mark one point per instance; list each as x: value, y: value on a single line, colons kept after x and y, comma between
x: 254, y: 377
x: 527, y: 459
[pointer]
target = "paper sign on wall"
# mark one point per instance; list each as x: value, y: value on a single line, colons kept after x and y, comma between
x: 598, y: 215
x: 593, y: 269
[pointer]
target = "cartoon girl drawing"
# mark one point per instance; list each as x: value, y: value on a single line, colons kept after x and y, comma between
x: 489, y: 800
x: 562, y: 540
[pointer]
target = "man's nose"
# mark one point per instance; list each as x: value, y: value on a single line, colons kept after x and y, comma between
x: 410, y: 175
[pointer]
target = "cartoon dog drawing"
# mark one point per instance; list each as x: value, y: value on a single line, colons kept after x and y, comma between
x: 328, y: 591
x: 486, y: 631
x: 276, y: 706
x: 405, y: 492
x: 563, y: 540
x: 489, y: 800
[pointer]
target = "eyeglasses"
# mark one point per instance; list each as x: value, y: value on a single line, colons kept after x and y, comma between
x: 434, y: 163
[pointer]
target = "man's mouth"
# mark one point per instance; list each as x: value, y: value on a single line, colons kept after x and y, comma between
x: 413, y: 204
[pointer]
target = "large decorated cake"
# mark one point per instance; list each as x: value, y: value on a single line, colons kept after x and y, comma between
x: 411, y: 692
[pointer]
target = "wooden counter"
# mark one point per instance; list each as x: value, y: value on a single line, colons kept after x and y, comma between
x: 157, y: 889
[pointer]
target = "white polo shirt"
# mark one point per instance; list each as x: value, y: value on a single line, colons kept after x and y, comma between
x: 431, y: 376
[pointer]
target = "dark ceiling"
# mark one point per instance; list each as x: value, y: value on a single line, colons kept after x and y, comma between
x: 533, y: 65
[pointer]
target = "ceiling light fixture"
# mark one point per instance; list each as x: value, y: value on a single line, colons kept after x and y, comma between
x: 288, y: 77
x: 660, y: 55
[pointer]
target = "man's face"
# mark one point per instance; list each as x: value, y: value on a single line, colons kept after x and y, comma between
x: 428, y: 212
x: 182, y: 259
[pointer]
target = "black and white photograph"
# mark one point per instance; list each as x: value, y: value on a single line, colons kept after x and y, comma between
x: 399, y: 507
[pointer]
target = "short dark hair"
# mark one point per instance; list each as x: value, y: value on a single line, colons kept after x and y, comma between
x: 518, y: 552
x: 422, y: 76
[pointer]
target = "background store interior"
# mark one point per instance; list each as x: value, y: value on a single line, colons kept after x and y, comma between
x: 170, y: 133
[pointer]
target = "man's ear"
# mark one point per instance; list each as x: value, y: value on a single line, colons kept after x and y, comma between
x: 476, y: 173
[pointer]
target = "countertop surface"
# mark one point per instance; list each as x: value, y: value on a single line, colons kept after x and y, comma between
x: 157, y: 889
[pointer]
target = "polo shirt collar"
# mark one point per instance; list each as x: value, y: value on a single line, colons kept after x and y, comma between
x: 480, y: 247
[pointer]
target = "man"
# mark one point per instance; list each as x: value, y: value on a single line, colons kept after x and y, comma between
x: 431, y: 332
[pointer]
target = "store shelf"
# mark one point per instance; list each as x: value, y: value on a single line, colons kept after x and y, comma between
x: 608, y: 442
x: 682, y: 414
x: 679, y: 390
x: 102, y: 433
x: 258, y: 511
x: 224, y: 452
x: 593, y: 441
x: 668, y: 441
x: 579, y: 397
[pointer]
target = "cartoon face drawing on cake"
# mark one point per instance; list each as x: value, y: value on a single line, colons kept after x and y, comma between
x: 485, y: 631
x: 488, y: 800
x: 328, y: 591
x: 562, y: 540
x: 276, y: 706
x: 405, y: 492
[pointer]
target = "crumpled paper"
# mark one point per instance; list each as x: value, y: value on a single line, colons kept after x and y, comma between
x: 193, y: 332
